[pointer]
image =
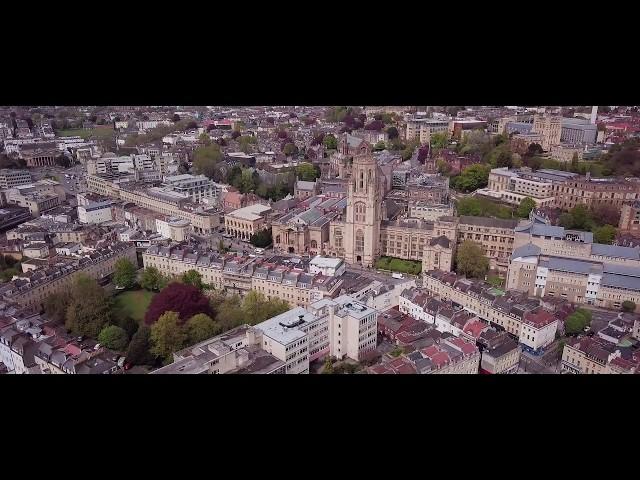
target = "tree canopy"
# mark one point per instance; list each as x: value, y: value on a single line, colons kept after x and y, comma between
x: 206, y: 159
x: 184, y: 299
x: 472, y: 178
x: 167, y: 336
x: 113, y: 337
x: 200, y: 327
x: 526, y: 205
x: 577, y: 321
x: 89, y: 309
x: 330, y: 142
x: 471, y: 261
x: 152, y: 279
x: 124, y: 273
x: 262, y: 238
x: 193, y: 277
x: 307, y: 172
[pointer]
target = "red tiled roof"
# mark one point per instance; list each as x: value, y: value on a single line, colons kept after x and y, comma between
x: 440, y: 359
x: 475, y: 328
x: 539, y: 319
x: 430, y: 351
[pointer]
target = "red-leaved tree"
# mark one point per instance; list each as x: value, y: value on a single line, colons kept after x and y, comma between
x: 184, y: 299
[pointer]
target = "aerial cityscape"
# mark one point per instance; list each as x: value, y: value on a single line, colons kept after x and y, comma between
x: 319, y: 240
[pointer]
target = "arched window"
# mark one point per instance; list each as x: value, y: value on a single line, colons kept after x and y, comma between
x: 277, y: 238
x: 359, y: 212
x: 359, y: 241
x: 361, y: 180
x: 314, y: 244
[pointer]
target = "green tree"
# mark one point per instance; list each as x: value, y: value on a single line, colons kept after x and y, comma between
x: 7, y: 274
x: 193, y: 277
x: 113, y: 337
x: 245, y: 143
x: 55, y: 306
x: 472, y: 178
x: 89, y: 309
x: 443, y: 167
x: 167, y: 336
x: 501, y: 156
x: 605, y: 234
x: 628, y: 306
x: 578, y: 218
x: 262, y: 238
x: 290, y: 149
x: 205, y: 139
x: 222, y: 247
x: 379, y: 146
x: 577, y: 321
x: 392, y: 133
x: 247, y: 181
x: 229, y: 313
x: 200, y: 327
x: 526, y: 205
x: 138, y: 352
x: 206, y: 159
x: 152, y: 279
x: 471, y: 261
x: 307, y: 172
x: 328, y: 366
x: 439, y: 140
x: 253, y: 307
x: 330, y: 142
x: 124, y: 273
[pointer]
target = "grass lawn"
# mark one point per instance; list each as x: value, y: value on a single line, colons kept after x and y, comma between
x: 97, y: 133
x: 133, y: 303
x: 398, y: 265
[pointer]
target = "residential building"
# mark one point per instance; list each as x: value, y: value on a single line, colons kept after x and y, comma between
x: 303, y: 189
x: 97, y: 212
x: 329, y: 267
x: 630, y: 218
x: 579, y: 281
x: 422, y: 128
x: 494, y: 235
x: 10, y: 178
x: 158, y: 200
x: 513, y: 185
x: 197, y: 187
x: 237, y: 351
x: 588, y: 355
x: 31, y: 289
x: 595, y: 191
x: 566, y: 152
x: 500, y: 353
x: 503, y: 310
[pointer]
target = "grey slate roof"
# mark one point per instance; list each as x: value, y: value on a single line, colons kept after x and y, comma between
x: 528, y: 250
x: 571, y: 266
x: 615, y: 251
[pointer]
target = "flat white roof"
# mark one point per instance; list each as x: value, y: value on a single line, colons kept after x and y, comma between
x: 326, y: 262
x: 252, y: 212
x: 275, y: 328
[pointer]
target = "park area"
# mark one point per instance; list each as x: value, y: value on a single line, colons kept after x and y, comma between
x: 133, y: 303
x: 398, y: 265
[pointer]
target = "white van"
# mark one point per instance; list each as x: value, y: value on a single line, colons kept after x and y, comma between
x: 259, y: 251
x: 397, y: 275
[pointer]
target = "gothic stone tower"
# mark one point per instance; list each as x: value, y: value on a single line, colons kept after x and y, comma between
x: 364, y: 210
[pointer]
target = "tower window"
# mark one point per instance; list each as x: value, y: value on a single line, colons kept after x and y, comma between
x: 360, y: 210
